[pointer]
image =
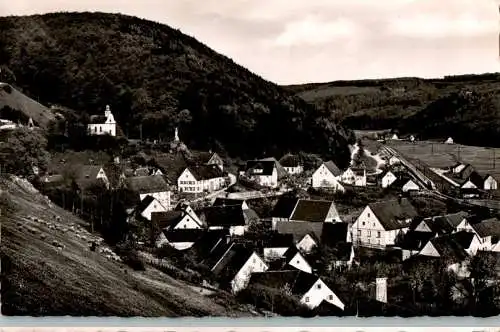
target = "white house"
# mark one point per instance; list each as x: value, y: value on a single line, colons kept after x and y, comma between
x: 354, y: 176
x: 449, y: 141
x: 263, y: 172
x: 445, y: 224
x: 393, y: 160
x: 235, y: 218
x: 294, y: 258
x: 292, y: 164
x: 180, y: 239
x: 236, y: 265
x: 307, y: 243
x: 394, y: 137
x: 490, y: 183
x: 103, y: 125
x: 304, y: 210
x: 178, y: 219
x: 308, y: 288
x: 201, y: 178
x: 154, y: 186
x: 148, y: 206
x: 388, y: 179
x: 327, y: 176
x: 410, y: 185
x: 380, y: 223
x: 210, y: 158
x: 488, y: 232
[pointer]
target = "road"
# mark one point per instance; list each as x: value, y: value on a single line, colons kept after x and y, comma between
x: 232, y: 181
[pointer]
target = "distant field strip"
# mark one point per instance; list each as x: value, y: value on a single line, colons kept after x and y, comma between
x: 440, y: 155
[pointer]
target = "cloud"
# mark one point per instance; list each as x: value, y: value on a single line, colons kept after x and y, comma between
x: 310, y: 30
x: 294, y: 41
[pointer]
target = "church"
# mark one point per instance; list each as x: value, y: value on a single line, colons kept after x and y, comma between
x: 102, y: 125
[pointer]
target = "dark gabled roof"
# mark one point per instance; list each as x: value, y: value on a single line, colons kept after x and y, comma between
x: 290, y: 160
x: 209, y: 240
x: 311, y: 210
x: 232, y: 215
x: 87, y: 176
x: 449, y: 248
x: 204, y: 157
x: 476, y: 179
x: 298, y: 281
x: 183, y: 235
x: 166, y: 219
x: 461, y: 174
x: 392, y: 213
x: 327, y: 309
x: 342, y: 251
x: 463, y: 238
x: 439, y: 225
x: 266, y: 166
x: 488, y: 227
x: 221, y: 201
x: 277, y: 240
x: 284, y: 207
x: 205, y: 172
x: 142, y: 171
x: 415, y: 240
x: 454, y: 219
x: 97, y: 119
x: 146, y: 184
x: 300, y: 229
x: 487, y: 176
x: 290, y: 253
x: 400, y: 181
x: 233, y: 259
x: 279, y: 168
x: 334, y: 233
x: 144, y: 203
x: 330, y: 165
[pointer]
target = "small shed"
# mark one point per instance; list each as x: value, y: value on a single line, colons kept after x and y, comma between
x: 449, y: 141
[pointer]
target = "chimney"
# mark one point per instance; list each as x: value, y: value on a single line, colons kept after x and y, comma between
x: 381, y: 290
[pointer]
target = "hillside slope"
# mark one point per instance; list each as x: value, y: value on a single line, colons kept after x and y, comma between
x: 397, y: 103
x: 12, y: 99
x: 40, y: 279
x: 154, y: 75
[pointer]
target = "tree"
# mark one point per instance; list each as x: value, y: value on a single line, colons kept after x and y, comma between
x: 486, y: 286
x: 23, y: 149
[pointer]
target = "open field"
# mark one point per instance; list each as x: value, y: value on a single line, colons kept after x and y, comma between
x: 48, y: 269
x: 440, y: 155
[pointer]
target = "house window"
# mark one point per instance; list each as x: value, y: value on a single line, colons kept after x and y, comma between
x: 184, y: 225
x: 100, y: 129
x: 363, y: 223
x: 318, y: 286
x: 330, y: 297
x: 369, y: 233
x: 298, y: 261
x: 359, y: 232
x: 254, y: 260
x: 307, y: 299
x: 368, y: 214
x: 378, y: 234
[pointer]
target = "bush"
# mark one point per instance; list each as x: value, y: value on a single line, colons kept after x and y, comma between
x: 129, y: 256
x: 274, y: 300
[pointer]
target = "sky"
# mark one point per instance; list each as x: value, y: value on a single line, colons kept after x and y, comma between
x: 300, y: 41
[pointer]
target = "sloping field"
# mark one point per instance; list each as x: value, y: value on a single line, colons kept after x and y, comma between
x: 48, y: 269
x: 17, y: 100
x: 438, y: 154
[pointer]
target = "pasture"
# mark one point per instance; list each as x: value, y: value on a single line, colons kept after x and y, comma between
x: 437, y: 154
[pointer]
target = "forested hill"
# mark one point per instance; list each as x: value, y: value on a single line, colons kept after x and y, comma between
x: 152, y: 74
x: 464, y: 106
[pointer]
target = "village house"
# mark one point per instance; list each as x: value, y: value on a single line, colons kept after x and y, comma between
x: 235, y: 218
x: 354, y: 176
x: 327, y: 176
x: 490, y: 183
x: 289, y: 209
x: 90, y: 175
x: 263, y: 172
x: 276, y: 245
x: 292, y: 164
x: 393, y: 160
x: 388, y: 179
x: 179, y: 239
x: 488, y: 232
x: 449, y: 140
x: 306, y: 235
x: 380, y: 223
x: 103, y: 125
x: 210, y: 158
x: 445, y: 224
x: 201, y: 178
x: 235, y: 266
x: 290, y: 259
x: 166, y: 226
x: 410, y: 185
x: 148, y: 206
x: 309, y: 289
x: 450, y: 251
x: 413, y: 242
x: 154, y: 186
x: 343, y: 257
